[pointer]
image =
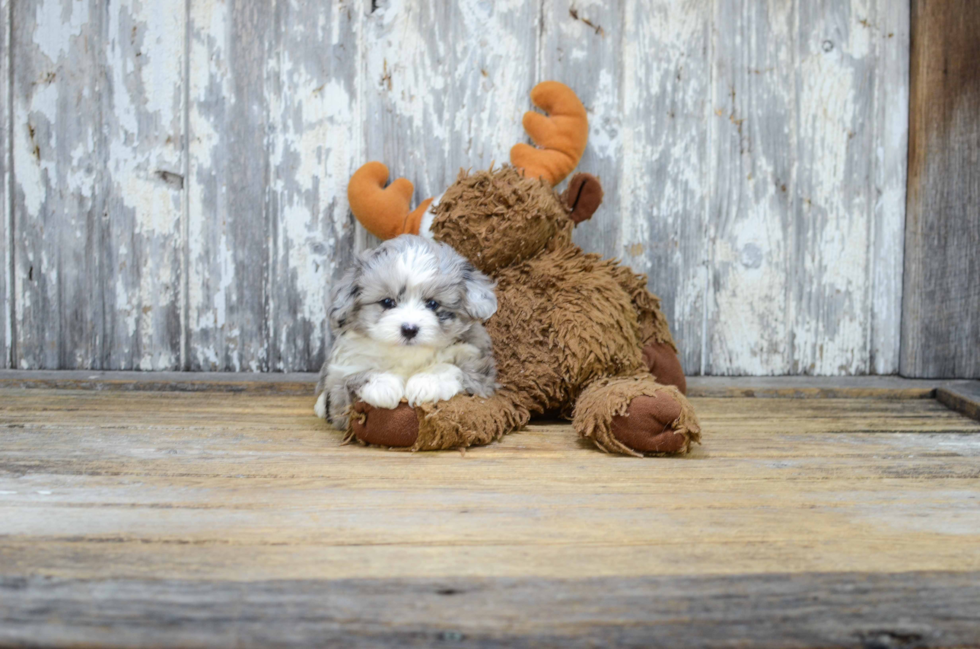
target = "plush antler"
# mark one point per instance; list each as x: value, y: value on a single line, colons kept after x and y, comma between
x: 384, y: 212
x: 562, y: 135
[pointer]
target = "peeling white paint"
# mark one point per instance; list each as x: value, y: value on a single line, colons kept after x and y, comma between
x: 455, y: 91
x: 752, y: 156
x: 145, y: 64
x: 891, y: 101
x: 6, y: 214
x: 63, y: 20
x: 209, y: 22
x: 837, y: 208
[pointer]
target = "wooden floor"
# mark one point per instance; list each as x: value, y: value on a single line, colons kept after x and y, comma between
x: 215, y: 518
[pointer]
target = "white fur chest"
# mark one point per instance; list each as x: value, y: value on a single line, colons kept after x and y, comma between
x: 354, y: 353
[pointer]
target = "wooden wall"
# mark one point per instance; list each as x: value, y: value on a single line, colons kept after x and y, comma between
x: 941, y: 319
x: 175, y: 170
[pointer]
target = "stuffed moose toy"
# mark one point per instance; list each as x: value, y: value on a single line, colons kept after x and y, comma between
x: 574, y: 335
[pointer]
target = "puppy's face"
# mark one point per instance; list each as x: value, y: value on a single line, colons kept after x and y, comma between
x: 412, y: 291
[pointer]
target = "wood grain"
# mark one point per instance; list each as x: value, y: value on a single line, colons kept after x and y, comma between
x: 582, y: 45
x: 59, y: 156
x: 300, y: 383
x: 143, y: 123
x: 178, y: 189
x: 665, y: 186
x: 753, y: 135
x: 251, y: 486
x: 833, y: 190
x: 794, y: 115
x: 941, y: 307
x: 230, y: 220
x: 962, y: 397
x: 6, y: 221
x: 316, y: 130
x: 97, y: 154
x: 445, y: 86
x: 919, y: 609
x: 188, y: 518
x: 887, y: 237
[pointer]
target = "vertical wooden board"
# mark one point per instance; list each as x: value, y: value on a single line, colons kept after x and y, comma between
x: 6, y: 222
x: 753, y: 132
x: 59, y: 206
x: 941, y: 306
x: 229, y: 271
x: 445, y: 86
x: 316, y: 127
x: 97, y: 158
x: 833, y: 198
x: 890, y: 162
x: 799, y: 233
x: 142, y: 123
x: 665, y: 180
x: 581, y: 46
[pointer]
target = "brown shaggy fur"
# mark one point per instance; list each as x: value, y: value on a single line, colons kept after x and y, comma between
x: 570, y: 330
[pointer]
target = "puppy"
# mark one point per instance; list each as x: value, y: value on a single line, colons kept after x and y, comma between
x: 407, y: 322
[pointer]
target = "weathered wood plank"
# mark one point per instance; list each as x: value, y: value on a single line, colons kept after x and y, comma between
x: 833, y: 202
x: 752, y: 129
x: 581, y: 46
x: 795, y: 188
x: 813, y: 387
x: 700, y: 117
x: 143, y: 125
x: 664, y: 191
x: 445, y: 86
x: 252, y: 487
x: 890, y: 143
x: 316, y: 129
x: 840, y: 609
x: 6, y: 222
x: 162, y: 518
x: 962, y: 397
x: 230, y: 275
x: 60, y: 209
x: 941, y: 307
x: 802, y: 387
x: 98, y: 108
x: 285, y: 383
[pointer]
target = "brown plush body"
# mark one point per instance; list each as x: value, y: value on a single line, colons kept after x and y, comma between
x: 574, y: 335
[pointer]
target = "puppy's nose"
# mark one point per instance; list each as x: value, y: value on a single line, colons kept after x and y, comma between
x: 409, y: 331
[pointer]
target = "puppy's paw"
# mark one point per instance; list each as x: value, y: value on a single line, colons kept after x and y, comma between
x: 383, y: 391
x: 429, y: 388
x: 320, y: 407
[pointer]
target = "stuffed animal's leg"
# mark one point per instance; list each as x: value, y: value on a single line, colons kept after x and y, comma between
x: 636, y: 415
x: 459, y: 422
x: 659, y: 352
x: 665, y: 366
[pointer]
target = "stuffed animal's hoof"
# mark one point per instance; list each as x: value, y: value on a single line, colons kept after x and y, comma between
x: 663, y: 363
x: 396, y: 427
x: 648, y: 425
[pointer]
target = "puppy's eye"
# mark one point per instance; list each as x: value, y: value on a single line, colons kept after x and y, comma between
x: 387, y: 303
x: 432, y: 305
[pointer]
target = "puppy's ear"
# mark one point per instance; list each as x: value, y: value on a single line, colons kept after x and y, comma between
x: 344, y: 297
x: 480, y: 301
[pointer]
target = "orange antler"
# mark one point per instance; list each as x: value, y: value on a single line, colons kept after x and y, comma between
x: 562, y: 135
x: 384, y: 212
